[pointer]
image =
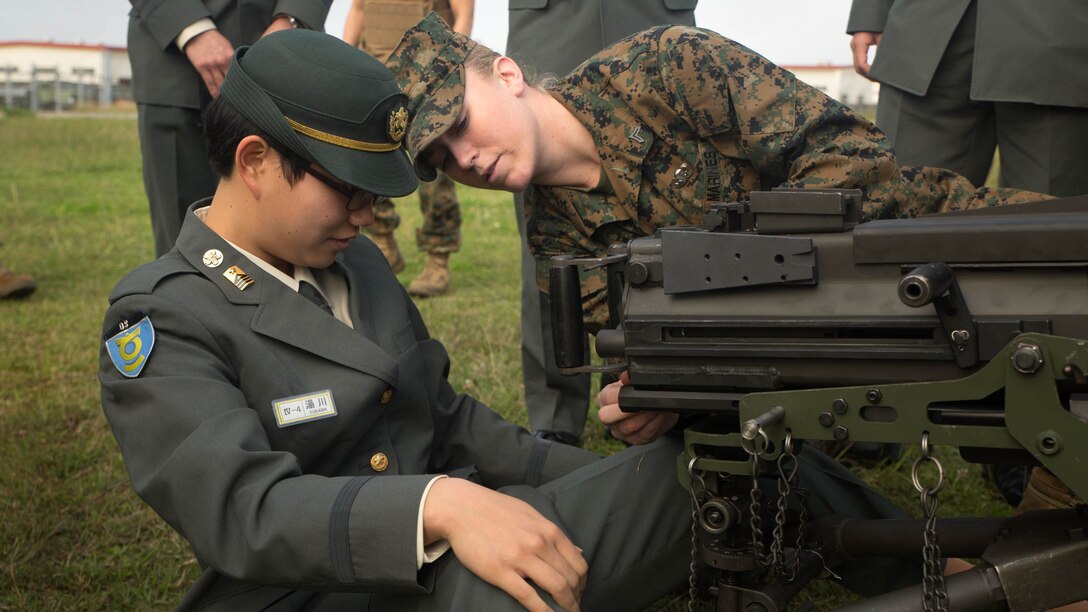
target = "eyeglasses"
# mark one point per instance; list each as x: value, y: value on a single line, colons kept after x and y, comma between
x: 357, y: 198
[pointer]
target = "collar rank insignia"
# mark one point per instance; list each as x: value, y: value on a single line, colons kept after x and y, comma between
x: 213, y: 258
x: 129, y: 344
x: 398, y: 124
x: 237, y: 276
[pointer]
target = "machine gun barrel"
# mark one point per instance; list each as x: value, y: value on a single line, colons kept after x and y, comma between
x: 1028, y: 563
x: 959, y: 537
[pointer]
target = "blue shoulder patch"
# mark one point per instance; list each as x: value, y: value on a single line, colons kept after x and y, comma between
x: 129, y: 344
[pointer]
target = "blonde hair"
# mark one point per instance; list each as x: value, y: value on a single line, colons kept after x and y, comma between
x: 482, y: 59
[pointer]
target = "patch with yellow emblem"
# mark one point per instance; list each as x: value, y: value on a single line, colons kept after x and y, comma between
x: 398, y: 124
x: 129, y: 344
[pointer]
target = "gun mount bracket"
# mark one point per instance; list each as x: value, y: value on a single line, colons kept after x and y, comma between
x: 935, y: 283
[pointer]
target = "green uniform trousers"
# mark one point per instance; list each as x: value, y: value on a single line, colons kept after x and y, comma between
x: 176, y: 171
x: 1042, y: 147
x: 632, y: 520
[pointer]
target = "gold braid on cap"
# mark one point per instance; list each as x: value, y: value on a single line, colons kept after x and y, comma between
x: 340, y: 141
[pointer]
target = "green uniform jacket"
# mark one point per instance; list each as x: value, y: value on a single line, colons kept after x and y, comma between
x: 301, y: 506
x: 1031, y: 52
x: 162, y: 74
x: 683, y: 117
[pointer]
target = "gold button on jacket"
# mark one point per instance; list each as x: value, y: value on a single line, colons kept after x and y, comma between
x: 388, y: 395
x: 379, y: 462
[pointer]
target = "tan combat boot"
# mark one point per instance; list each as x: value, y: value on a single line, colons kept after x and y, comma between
x: 388, y: 245
x: 15, y: 285
x: 435, y: 277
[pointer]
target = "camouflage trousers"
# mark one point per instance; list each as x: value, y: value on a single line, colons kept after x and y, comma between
x: 441, y: 228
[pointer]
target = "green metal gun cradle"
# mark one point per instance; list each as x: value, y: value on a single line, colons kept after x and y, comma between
x: 783, y: 320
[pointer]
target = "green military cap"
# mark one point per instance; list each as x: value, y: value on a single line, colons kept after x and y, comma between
x: 329, y: 102
x: 429, y: 67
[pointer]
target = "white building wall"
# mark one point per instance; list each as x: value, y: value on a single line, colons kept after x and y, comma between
x: 120, y: 68
x: 102, y: 68
x: 841, y: 83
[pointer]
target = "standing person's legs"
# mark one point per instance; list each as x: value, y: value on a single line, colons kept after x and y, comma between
x: 175, y: 167
x: 1042, y: 148
x: 440, y: 231
x: 944, y: 128
x: 556, y: 403
x: 386, y: 220
x: 438, y: 235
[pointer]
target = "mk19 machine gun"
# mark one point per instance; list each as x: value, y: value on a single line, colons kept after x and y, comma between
x: 782, y: 319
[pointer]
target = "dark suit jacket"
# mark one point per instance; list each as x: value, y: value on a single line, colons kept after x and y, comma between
x: 557, y: 35
x: 1024, y: 51
x: 162, y: 74
x: 299, y: 506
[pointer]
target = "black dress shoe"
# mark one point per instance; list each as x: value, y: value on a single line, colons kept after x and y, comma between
x: 561, y: 437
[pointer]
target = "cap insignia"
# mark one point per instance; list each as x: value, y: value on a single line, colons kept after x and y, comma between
x: 398, y: 124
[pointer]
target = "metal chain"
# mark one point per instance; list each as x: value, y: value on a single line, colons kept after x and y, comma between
x: 802, y: 518
x: 773, y: 558
x: 787, y: 478
x: 755, y: 506
x: 778, y: 562
x: 696, y: 493
x: 934, y: 595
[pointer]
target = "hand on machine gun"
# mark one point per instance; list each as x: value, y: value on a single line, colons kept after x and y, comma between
x: 631, y: 427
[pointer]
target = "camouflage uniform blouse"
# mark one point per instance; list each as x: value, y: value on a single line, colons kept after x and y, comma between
x: 683, y: 117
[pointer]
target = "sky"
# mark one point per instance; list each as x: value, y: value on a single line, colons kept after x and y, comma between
x: 788, y: 32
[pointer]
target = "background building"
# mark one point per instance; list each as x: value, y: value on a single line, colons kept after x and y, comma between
x: 45, y: 76
x: 841, y: 83
x: 36, y: 75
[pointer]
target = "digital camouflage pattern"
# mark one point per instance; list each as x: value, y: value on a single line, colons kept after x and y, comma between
x: 440, y: 231
x: 428, y: 66
x: 683, y: 117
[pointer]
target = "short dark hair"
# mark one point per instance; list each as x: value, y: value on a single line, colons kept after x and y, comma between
x: 225, y: 127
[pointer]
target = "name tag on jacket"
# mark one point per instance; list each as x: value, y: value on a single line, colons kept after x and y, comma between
x: 304, y: 408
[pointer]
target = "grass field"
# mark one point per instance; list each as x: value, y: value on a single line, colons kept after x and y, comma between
x: 73, y: 214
